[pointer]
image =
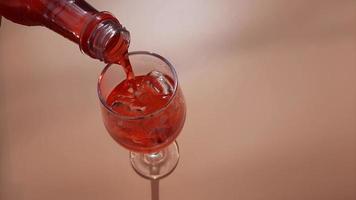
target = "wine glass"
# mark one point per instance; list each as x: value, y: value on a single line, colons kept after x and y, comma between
x: 150, y: 137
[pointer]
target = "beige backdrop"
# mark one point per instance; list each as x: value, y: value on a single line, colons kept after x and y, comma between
x: 271, y: 93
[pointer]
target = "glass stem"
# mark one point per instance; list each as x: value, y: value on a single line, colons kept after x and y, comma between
x: 155, y: 160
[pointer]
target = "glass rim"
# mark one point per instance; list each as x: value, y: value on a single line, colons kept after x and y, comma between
x: 125, y: 117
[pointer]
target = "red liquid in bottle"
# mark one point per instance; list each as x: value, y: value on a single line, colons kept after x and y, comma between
x: 98, y: 34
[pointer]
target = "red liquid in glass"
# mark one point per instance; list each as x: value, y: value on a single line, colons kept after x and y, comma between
x: 144, y: 116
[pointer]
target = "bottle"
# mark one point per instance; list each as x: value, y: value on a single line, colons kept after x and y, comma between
x: 98, y: 34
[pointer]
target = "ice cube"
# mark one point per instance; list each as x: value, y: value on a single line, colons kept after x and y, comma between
x: 160, y: 84
x: 120, y: 105
x: 128, y: 106
x: 130, y: 90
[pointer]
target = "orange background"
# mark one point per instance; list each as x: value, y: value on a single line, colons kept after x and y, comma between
x: 270, y: 88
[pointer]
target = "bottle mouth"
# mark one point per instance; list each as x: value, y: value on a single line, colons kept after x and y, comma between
x: 109, y: 42
x: 106, y: 39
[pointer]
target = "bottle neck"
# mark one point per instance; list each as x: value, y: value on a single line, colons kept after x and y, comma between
x: 98, y: 34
